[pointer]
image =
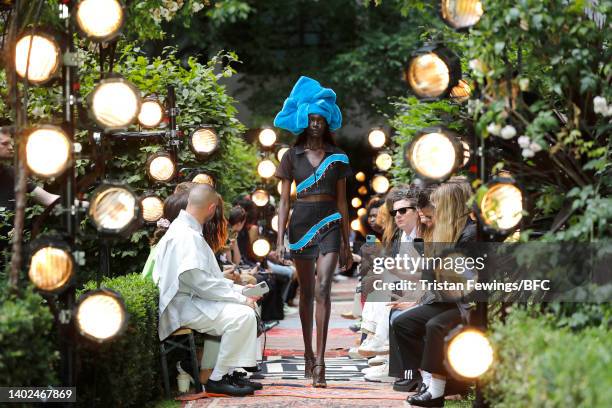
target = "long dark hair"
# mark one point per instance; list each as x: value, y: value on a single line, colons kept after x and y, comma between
x: 328, y: 137
x: 215, y: 230
x: 173, y: 204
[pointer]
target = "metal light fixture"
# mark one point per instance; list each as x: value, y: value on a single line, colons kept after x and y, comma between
x: 435, y: 153
x: 360, y: 177
x: 361, y: 212
x: 100, y: 20
x: 101, y: 315
x: 461, y: 92
x: 51, y: 266
x: 115, y: 103
x: 44, y: 57
x: 151, y: 113
x: 363, y: 190
x: 204, y: 141
x: 161, y: 167
x: 281, y: 152
x: 114, y: 209
x: 432, y: 72
x: 261, y: 247
x: 48, y: 151
x: 377, y: 139
x: 383, y: 161
x: 500, y: 207
x: 266, y: 168
x: 152, y: 208
x: 461, y: 14
x: 380, y: 184
x: 468, y: 353
x: 260, y: 197
x: 356, y: 202
x: 204, y: 178
x: 274, y: 223
x: 267, y: 137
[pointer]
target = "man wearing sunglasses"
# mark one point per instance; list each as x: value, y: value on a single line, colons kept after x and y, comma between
x: 405, y: 214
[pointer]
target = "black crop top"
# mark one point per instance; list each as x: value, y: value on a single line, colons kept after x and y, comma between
x: 309, y: 180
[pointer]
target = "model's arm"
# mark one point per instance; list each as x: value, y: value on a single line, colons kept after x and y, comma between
x: 346, y: 258
x: 283, y: 214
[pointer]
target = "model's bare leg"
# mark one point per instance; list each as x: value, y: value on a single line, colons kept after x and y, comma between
x: 326, y: 265
x: 306, y: 278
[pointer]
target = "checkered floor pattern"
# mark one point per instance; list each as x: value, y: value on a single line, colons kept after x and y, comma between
x: 292, y: 368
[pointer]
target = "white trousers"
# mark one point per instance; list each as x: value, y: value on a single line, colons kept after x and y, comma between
x: 375, y: 318
x: 237, y: 326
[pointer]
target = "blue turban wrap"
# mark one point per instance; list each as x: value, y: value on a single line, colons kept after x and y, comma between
x: 308, y: 97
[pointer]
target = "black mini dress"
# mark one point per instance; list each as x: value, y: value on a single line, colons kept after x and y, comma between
x: 314, y: 227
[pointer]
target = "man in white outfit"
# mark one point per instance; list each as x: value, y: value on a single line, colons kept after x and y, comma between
x: 194, y: 294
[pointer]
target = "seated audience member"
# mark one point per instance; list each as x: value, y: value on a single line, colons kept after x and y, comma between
x: 194, y: 294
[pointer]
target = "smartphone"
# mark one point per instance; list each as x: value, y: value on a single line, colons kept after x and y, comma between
x: 370, y: 239
x: 258, y: 290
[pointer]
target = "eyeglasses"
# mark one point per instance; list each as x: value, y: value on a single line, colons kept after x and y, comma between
x: 401, y: 211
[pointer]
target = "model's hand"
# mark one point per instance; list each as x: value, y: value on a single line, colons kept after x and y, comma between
x: 280, y: 252
x: 346, y: 258
x: 251, y: 303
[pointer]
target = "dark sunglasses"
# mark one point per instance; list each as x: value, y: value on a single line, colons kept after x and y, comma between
x: 401, y: 211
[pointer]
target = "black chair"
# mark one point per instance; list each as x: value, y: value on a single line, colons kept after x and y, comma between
x: 181, y: 339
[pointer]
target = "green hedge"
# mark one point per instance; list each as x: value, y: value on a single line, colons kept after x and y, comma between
x: 28, y: 355
x: 540, y: 365
x: 124, y: 372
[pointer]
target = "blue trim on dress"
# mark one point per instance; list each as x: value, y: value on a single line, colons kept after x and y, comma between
x: 320, y: 171
x: 313, y: 231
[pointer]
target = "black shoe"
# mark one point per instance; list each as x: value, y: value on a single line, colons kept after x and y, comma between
x: 225, y: 386
x: 405, y: 385
x: 240, y: 379
x: 355, y: 327
x: 425, y: 400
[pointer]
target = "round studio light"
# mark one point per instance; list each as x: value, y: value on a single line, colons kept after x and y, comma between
x: 384, y: 161
x: 51, y: 266
x: 274, y: 223
x: 204, y: 141
x: 266, y: 168
x: 101, y: 315
x: 281, y: 152
x: 500, y: 208
x: 151, y: 113
x: 361, y: 212
x: 261, y: 247
x: 432, y: 72
x: 380, y: 184
x: 363, y: 190
x: 44, y: 57
x: 292, y: 191
x: 356, y: 202
x: 115, y: 103
x: 377, y: 139
x: 260, y: 198
x: 356, y: 225
x: 161, y: 167
x: 461, y: 92
x: 360, y: 177
x: 466, y: 153
x: 48, y: 151
x: 461, y: 14
x: 435, y: 153
x: 203, y: 178
x: 468, y: 353
x: 267, y: 137
x: 100, y: 20
x: 113, y: 209
x: 152, y: 208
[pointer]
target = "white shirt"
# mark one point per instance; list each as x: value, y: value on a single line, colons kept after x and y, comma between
x: 190, y: 280
x: 408, y: 238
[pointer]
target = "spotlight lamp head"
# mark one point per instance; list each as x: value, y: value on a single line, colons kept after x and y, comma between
x: 204, y: 178
x: 293, y: 190
x: 461, y: 14
x: 356, y: 202
x: 360, y: 177
x: 48, y: 151
x: 435, y: 153
x: 161, y: 167
x: 260, y: 197
x: 383, y: 161
x: 37, y: 56
x: 114, y: 103
x: 499, y: 206
x: 114, y: 209
x: 281, y: 152
x: 151, y: 113
x: 467, y: 153
x: 204, y: 141
x: 461, y: 92
x: 361, y: 212
x: 101, y: 315
x: 261, y: 247
x: 377, y: 138
x: 152, y: 208
x: 274, y: 223
x: 468, y: 353
x: 356, y: 225
x: 380, y: 184
x: 363, y: 190
x: 100, y: 20
x: 432, y: 72
x: 52, y: 265
x: 267, y: 137
x: 266, y: 168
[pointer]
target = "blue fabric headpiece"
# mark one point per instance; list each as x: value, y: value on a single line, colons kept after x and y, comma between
x: 308, y: 97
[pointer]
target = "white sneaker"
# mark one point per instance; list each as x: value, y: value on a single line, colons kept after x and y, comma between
x: 379, y: 369
x: 375, y: 347
x: 381, y: 375
x: 363, y: 349
x: 376, y: 361
x: 288, y: 310
x: 354, y: 354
